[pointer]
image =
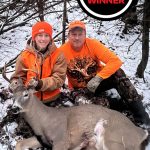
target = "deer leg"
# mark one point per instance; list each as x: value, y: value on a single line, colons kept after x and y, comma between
x: 28, y: 143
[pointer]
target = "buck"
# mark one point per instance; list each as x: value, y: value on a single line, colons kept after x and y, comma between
x: 87, y: 126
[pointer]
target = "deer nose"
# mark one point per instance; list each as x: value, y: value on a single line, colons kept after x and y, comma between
x: 15, y: 110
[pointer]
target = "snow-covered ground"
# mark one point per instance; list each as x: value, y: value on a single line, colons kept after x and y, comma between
x: 110, y: 33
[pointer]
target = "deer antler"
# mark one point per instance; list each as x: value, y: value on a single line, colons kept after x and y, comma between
x: 4, y: 74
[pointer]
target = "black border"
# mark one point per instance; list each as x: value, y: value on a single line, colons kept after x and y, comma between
x: 105, y: 19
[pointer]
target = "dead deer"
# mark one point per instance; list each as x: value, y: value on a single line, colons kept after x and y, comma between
x: 64, y: 127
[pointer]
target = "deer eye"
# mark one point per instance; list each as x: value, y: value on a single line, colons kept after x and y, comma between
x: 25, y: 94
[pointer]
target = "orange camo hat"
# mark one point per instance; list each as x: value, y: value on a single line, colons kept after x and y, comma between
x: 41, y: 27
x: 77, y: 23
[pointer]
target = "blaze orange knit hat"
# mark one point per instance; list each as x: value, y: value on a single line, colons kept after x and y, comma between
x: 75, y: 24
x: 41, y: 27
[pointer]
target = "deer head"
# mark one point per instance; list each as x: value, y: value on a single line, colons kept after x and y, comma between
x: 22, y: 96
x: 21, y: 93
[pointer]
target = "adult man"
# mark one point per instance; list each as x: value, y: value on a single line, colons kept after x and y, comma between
x: 85, y: 58
x: 41, y: 65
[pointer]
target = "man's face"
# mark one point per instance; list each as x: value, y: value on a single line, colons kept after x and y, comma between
x: 76, y: 38
x: 42, y: 40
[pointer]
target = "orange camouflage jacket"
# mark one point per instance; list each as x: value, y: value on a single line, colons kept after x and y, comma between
x: 51, y: 68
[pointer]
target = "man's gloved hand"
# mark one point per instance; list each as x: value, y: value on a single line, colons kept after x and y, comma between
x: 35, y: 83
x: 94, y: 83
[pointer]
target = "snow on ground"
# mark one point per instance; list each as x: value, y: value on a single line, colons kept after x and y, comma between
x: 14, y: 41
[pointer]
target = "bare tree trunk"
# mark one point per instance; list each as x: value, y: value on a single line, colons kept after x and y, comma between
x: 145, y: 40
x: 40, y: 5
x: 64, y: 21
